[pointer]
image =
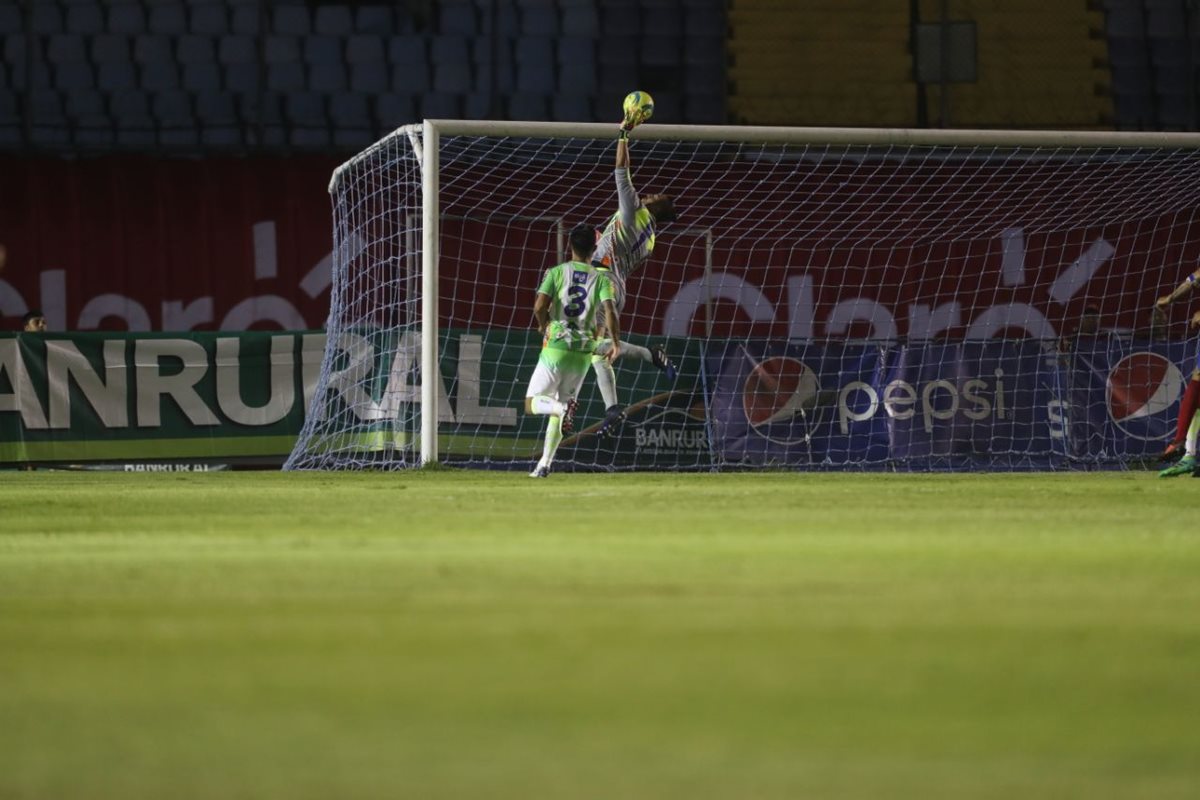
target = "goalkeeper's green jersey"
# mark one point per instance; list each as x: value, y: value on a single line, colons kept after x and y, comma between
x: 576, y: 290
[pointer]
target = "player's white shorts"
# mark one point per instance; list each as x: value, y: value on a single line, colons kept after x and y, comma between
x: 560, y: 381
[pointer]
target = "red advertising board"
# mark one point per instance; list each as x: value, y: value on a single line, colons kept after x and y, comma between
x: 828, y: 248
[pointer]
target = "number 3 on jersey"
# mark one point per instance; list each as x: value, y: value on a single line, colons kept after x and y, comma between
x: 577, y: 301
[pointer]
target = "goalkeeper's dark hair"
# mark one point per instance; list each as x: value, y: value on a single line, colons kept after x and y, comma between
x: 583, y: 240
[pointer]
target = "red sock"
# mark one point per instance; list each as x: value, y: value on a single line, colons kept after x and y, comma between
x: 1187, y: 407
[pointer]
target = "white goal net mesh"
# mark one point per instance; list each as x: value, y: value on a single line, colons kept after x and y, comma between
x: 828, y: 306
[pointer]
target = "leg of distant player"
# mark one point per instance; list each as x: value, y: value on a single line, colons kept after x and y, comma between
x: 1187, y: 407
x: 1188, y: 462
x: 551, y: 393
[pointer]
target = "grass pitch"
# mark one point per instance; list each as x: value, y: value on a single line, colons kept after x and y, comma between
x: 447, y: 635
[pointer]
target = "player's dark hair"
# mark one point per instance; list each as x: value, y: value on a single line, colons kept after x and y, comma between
x: 31, y: 314
x: 663, y: 209
x: 583, y: 240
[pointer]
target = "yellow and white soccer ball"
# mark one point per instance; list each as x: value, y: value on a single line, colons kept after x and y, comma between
x: 639, y: 107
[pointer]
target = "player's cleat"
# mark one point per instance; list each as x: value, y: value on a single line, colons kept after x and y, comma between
x: 540, y: 471
x: 568, y: 417
x: 1185, y: 465
x: 1174, y: 450
x: 614, y: 418
x: 662, y: 362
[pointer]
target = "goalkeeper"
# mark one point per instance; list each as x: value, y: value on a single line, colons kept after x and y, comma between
x: 565, y: 310
x: 624, y: 244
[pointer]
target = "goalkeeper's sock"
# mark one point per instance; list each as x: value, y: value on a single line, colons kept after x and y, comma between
x: 1187, y: 408
x: 553, y: 439
x: 1192, y: 432
x: 541, y: 404
x: 606, y: 379
x: 637, y: 351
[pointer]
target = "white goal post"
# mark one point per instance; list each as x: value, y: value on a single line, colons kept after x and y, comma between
x: 910, y: 241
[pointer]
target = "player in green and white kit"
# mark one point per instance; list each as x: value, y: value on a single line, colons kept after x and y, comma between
x: 624, y: 246
x: 569, y: 300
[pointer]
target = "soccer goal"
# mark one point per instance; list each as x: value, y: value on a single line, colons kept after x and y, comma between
x: 832, y: 298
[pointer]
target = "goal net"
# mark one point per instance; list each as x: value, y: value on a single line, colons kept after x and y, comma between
x: 832, y: 299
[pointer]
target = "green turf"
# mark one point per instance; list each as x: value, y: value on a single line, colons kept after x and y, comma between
x: 634, y: 636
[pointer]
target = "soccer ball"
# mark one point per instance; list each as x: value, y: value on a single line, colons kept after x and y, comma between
x: 639, y: 106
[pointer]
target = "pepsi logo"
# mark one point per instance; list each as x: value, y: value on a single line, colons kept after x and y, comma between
x: 778, y: 391
x: 1140, y: 391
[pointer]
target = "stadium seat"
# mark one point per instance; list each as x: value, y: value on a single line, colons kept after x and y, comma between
x: 328, y: 78
x: 619, y: 50
x: 369, y: 77
x: 47, y: 18
x: 411, y: 77
x: 209, y: 20
x: 351, y: 119
x: 281, y: 50
x: 73, y: 75
x: 580, y: 20
x: 241, y: 78
x: 116, y: 76
x: 291, y: 20
x: 333, y: 20
x: 1128, y: 50
x: 83, y: 103
x: 306, y: 118
x: 704, y: 21
x: 571, y: 108
x: 452, y: 76
x: 374, y: 19
x: 245, y: 19
x: 153, y: 49
x: 704, y: 50
x: 576, y: 56
x: 168, y: 20
x: 617, y: 78
x: 661, y: 51
x: 528, y: 106
x: 536, y: 69
x: 457, y: 18
x: 704, y: 109
x: 201, y: 77
x: 539, y: 18
x: 287, y: 77
x: 216, y: 109
x: 195, y: 49
x: 10, y: 19
x: 393, y: 110
x: 172, y: 109
x: 662, y: 21
x: 237, y: 49
x: 364, y: 49
x: 65, y: 47
x: 322, y: 49
x: 619, y: 20
x: 1134, y: 111
x: 441, y: 105
x: 498, y: 72
x: 1125, y: 21
x: 85, y: 19
x: 126, y: 18
x: 109, y: 49
x: 482, y: 105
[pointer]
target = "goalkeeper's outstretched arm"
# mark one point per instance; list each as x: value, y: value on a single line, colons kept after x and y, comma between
x: 1182, y: 289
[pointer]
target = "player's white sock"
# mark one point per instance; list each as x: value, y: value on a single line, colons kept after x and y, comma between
x: 606, y: 379
x: 541, y: 404
x: 553, y: 439
x: 637, y: 351
x: 1192, y: 432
